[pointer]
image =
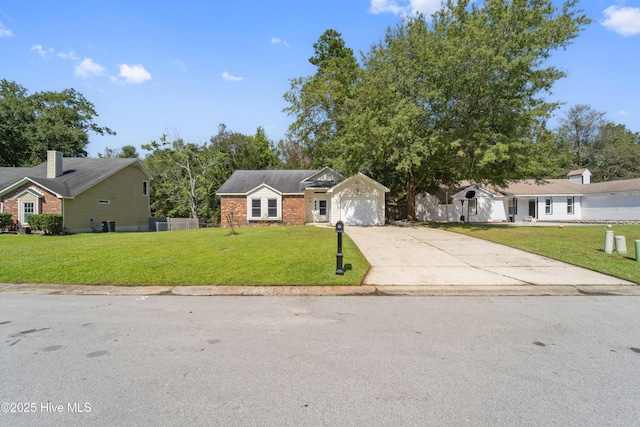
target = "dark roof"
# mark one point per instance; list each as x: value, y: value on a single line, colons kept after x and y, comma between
x: 80, y: 173
x: 285, y: 181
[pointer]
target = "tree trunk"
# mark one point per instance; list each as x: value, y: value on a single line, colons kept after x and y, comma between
x: 411, y: 198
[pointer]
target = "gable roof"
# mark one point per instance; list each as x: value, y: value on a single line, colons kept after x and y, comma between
x: 362, y: 177
x: 548, y: 187
x: 566, y: 187
x: 80, y: 174
x: 284, y: 181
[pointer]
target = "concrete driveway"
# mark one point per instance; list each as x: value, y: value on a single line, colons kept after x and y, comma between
x: 422, y: 256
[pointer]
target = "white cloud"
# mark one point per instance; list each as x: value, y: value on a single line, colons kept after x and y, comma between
x: 68, y: 55
x: 231, y: 78
x: 134, y: 74
x: 277, y: 41
x: 42, y: 51
x: 386, y: 6
x: 87, y: 68
x: 623, y: 20
x: 404, y: 7
x: 5, y: 32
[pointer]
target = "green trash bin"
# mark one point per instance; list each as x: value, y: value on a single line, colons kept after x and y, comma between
x: 637, y: 244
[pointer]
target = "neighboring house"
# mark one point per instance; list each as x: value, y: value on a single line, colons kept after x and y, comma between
x: 566, y: 200
x: 296, y: 197
x: 84, y: 191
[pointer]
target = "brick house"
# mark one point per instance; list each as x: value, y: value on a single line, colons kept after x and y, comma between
x: 84, y: 191
x: 297, y: 197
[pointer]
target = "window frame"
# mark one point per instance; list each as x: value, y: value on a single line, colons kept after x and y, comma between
x: 145, y: 188
x: 472, y: 208
x: 322, y: 208
x: 272, y: 211
x: 571, y: 203
x: 254, y: 207
x: 548, y: 205
x: 512, y: 206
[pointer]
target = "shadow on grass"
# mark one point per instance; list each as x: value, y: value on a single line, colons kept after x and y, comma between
x: 472, y: 227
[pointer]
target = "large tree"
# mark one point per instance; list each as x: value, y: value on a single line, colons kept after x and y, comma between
x: 184, y: 177
x: 586, y: 139
x: 32, y: 124
x: 617, y: 153
x: 458, y: 96
x: 317, y: 101
x: 578, y: 134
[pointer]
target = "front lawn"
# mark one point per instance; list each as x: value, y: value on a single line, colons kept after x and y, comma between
x: 576, y: 244
x: 304, y: 255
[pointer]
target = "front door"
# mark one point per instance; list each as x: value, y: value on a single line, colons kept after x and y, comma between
x: 320, y: 211
x: 532, y: 208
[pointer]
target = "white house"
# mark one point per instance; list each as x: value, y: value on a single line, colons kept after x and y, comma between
x: 566, y: 200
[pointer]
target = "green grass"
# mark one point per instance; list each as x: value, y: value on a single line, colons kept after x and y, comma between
x: 256, y: 256
x: 578, y: 245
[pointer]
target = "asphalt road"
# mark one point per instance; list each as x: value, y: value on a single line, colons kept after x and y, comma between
x: 166, y: 360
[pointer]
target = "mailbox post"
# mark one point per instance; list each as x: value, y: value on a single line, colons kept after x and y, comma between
x: 339, y: 230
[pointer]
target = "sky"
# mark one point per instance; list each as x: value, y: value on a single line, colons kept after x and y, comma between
x: 183, y: 68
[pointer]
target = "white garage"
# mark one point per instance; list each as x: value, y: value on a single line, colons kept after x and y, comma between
x: 358, y: 200
x: 359, y: 211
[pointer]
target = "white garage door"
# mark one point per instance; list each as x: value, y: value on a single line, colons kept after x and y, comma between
x: 359, y: 211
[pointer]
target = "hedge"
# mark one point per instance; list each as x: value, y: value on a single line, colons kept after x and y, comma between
x: 5, y: 220
x: 49, y: 223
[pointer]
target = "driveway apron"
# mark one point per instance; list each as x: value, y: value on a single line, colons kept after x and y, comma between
x: 422, y: 256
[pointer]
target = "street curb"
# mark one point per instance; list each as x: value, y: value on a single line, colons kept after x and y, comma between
x: 364, y: 290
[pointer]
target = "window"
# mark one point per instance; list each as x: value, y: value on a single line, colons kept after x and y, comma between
x: 513, y: 206
x: 548, y: 206
x: 145, y: 188
x: 256, y: 208
x: 28, y: 209
x: 473, y: 206
x: 272, y: 208
x: 323, y: 207
x: 570, y: 205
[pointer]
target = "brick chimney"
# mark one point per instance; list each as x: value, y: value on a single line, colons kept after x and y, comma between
x: 54, y: 164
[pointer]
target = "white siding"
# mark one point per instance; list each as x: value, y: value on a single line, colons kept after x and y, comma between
x: 613, y: 206
x: 489, y: 208
x: 356, y: 193
x: 310, y: 195
x: 263, y: 194
x: 428, y: 208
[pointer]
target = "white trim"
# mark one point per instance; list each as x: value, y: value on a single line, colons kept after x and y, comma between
x: 264, y: 193
x: 24, y: 181
x: 260, y: 187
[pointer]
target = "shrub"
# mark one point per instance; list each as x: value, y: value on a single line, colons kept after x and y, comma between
x: 48, y: 223
x: 5, y: 220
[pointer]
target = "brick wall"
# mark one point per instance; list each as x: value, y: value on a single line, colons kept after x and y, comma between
x: 236, y: 205
x: 49, y: 204
x: 293, y: 210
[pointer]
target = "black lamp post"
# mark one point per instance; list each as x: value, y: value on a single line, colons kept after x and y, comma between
x: 339, y: 230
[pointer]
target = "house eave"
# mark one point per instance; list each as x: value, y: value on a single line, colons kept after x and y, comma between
x: 25, y: 180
